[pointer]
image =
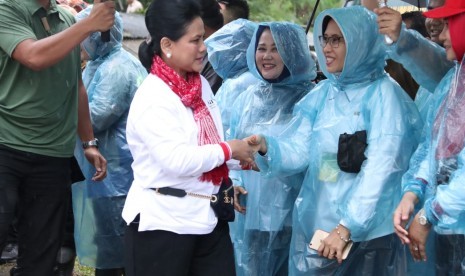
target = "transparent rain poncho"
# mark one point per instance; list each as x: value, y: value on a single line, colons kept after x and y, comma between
x: 425, y: 60
x: 227, y: 50
x: 427, y: 63
x: 261, y: 237
x: 361, y: 97
x: 437, y: 172
x: 111, y: 78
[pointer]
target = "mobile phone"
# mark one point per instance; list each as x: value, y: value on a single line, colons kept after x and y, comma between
x: 321, y: 235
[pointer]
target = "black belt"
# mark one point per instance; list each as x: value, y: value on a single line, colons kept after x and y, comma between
x: 170, y: 191
x: 182, y: 193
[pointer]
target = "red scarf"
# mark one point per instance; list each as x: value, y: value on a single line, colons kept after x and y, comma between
x: 190, y: 93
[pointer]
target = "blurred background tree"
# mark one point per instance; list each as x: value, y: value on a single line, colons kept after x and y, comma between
x: 297, y: 11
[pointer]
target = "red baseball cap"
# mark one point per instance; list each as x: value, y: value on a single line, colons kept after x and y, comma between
x: 450, y: 8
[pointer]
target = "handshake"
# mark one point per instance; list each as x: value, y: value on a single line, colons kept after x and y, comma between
x: 244, y: 150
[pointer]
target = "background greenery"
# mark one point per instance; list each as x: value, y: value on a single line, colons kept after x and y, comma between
x: 297, y: 11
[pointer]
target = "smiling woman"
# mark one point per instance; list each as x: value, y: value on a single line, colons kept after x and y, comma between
x: 283, y: 73
x: 175, y: 135
x: 350, y: 203
x: 333, y: 46
x: 267, y: 57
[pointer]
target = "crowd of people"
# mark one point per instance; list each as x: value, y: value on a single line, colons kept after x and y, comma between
x: 216, y: 152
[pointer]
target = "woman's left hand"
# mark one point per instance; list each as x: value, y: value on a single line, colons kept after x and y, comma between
x: 333, y: 246
x: 418, y: 235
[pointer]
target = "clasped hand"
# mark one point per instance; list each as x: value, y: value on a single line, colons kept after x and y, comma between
x: 245, y: 150
x: 257, y: 142
x: 416, y: 234
x: 333, y: 246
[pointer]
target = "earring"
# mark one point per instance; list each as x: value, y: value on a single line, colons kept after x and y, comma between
x: 168, y: 55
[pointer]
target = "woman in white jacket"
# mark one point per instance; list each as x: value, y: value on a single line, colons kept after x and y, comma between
x: 174, y: 132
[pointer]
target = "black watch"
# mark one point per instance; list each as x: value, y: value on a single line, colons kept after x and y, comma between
x: 91, y: 143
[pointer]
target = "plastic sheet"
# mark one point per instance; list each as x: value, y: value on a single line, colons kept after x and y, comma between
x: 361, y: 97
x: 439, y: 158
x: 423, y: 100
x: 111, y: 79
x: 227, y: 50
x: 424, y: 60
x: 262, y: 236
x: 439, y: 161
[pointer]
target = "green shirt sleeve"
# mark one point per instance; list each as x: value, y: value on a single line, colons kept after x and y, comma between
x: 14, y: 27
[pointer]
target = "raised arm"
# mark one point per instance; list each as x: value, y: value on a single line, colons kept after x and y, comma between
x: 38, y: 54
x: 425, y: 60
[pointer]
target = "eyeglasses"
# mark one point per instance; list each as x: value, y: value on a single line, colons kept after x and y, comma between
x: 332, y: 40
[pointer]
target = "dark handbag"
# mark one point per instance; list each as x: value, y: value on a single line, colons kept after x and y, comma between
x: 351, y: 151
x: 223, y: 202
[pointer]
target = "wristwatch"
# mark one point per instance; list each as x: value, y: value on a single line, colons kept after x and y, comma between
x: 422, y: 217
x: 91, y: 143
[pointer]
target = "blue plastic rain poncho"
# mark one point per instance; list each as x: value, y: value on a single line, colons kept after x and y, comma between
x: 427, y: 63
x: 261, y: 237
x: 436, y: 173
x: 425, y: 60
x: 111, y: 78
x: 361, y: 97
x: 227, y: 50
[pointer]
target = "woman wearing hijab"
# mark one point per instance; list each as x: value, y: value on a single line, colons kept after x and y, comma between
x: 357, y: 109
x: 435, y: 180
x: 284, y: 71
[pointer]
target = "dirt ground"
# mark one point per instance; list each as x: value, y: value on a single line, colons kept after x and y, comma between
x: 79, y: 270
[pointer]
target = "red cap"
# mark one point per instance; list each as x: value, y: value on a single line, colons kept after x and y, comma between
x: 450, y: 8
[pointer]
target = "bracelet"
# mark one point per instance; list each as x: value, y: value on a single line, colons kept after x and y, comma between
x: 340, y: 236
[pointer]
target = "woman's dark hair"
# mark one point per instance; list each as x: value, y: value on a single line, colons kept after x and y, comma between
x: 325, y: 23
x: 166, y: 18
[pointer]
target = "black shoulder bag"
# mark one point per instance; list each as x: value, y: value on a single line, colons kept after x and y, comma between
x: 351, y: 151
x: 222, y: 203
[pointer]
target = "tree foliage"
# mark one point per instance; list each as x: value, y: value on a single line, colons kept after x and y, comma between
x: 297, y: 11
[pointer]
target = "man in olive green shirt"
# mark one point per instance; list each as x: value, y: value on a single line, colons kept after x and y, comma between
x: 43, y: 104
